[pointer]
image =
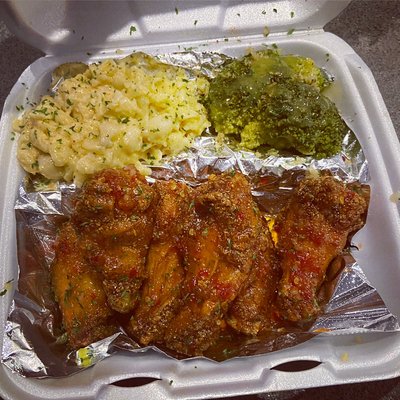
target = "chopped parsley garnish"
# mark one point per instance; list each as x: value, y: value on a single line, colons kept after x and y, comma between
x: 226, y: 352
x: 124, y: 120
x: 6, y: 288
x: 35, y: 165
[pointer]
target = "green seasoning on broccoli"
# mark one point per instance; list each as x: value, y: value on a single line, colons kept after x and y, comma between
x: 266, y: 99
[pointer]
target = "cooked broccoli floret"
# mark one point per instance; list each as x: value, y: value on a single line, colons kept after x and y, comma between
x: 305, y: 70
x: 273, y: 100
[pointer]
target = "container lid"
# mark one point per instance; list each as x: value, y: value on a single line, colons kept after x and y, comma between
x: 63, y: 26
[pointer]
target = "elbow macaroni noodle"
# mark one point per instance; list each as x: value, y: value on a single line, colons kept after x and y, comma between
x: 136, y: 110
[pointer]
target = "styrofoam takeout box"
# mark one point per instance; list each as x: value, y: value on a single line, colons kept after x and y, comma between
x: 70, y: 31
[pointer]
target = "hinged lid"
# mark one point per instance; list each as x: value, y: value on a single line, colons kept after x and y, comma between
x: 63, y: 26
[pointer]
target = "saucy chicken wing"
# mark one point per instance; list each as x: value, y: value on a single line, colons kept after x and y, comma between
x: 185, y: 263
x: 161, y: 293
x: 312, y: 230
x: 114, y: 214
x: 79, y: 292
x: 219, y: 251
x: 252, y: 312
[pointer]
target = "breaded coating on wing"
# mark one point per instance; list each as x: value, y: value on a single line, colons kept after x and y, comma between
x: 161, y: 293
x: 312, y: 230
x: 219, y: 254
x: 79, y: 292
x: 114, y: 214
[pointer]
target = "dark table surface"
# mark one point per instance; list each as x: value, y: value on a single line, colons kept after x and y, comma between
x: 372, y: 28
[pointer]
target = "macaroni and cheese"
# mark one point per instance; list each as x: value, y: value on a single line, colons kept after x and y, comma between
x: 135, y: 110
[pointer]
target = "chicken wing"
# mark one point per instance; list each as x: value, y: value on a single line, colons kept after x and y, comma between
x: 252, y: 311
x: 79, y: 292
x: 312, y: 230
x: 219, y: 251
x: 115, y: 215
x: 161, y: 293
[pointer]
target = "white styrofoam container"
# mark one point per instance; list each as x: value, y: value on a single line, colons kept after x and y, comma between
x: 166, y: 26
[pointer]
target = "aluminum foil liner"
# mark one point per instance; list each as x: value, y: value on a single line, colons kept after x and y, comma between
x: 34, y: 343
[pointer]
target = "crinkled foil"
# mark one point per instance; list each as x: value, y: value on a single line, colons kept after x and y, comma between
x: 34, y: 343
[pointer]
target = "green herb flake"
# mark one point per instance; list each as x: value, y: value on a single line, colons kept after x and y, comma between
x: 263, y: 12
x: 63, y: 339
x: 171, y: 382
x: 132, y: 29
x: 7, y: 287
x: 195, y: 22
x: 67, y: 294
x: 124, y: 120
x: 226, y: 352
x: 35, y: 165
x: 290, y: 31
x: 274, y: 10
x: 291, y: 14
x: 84, y: 357
x: 69, y: 102
x: 176, y: 11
